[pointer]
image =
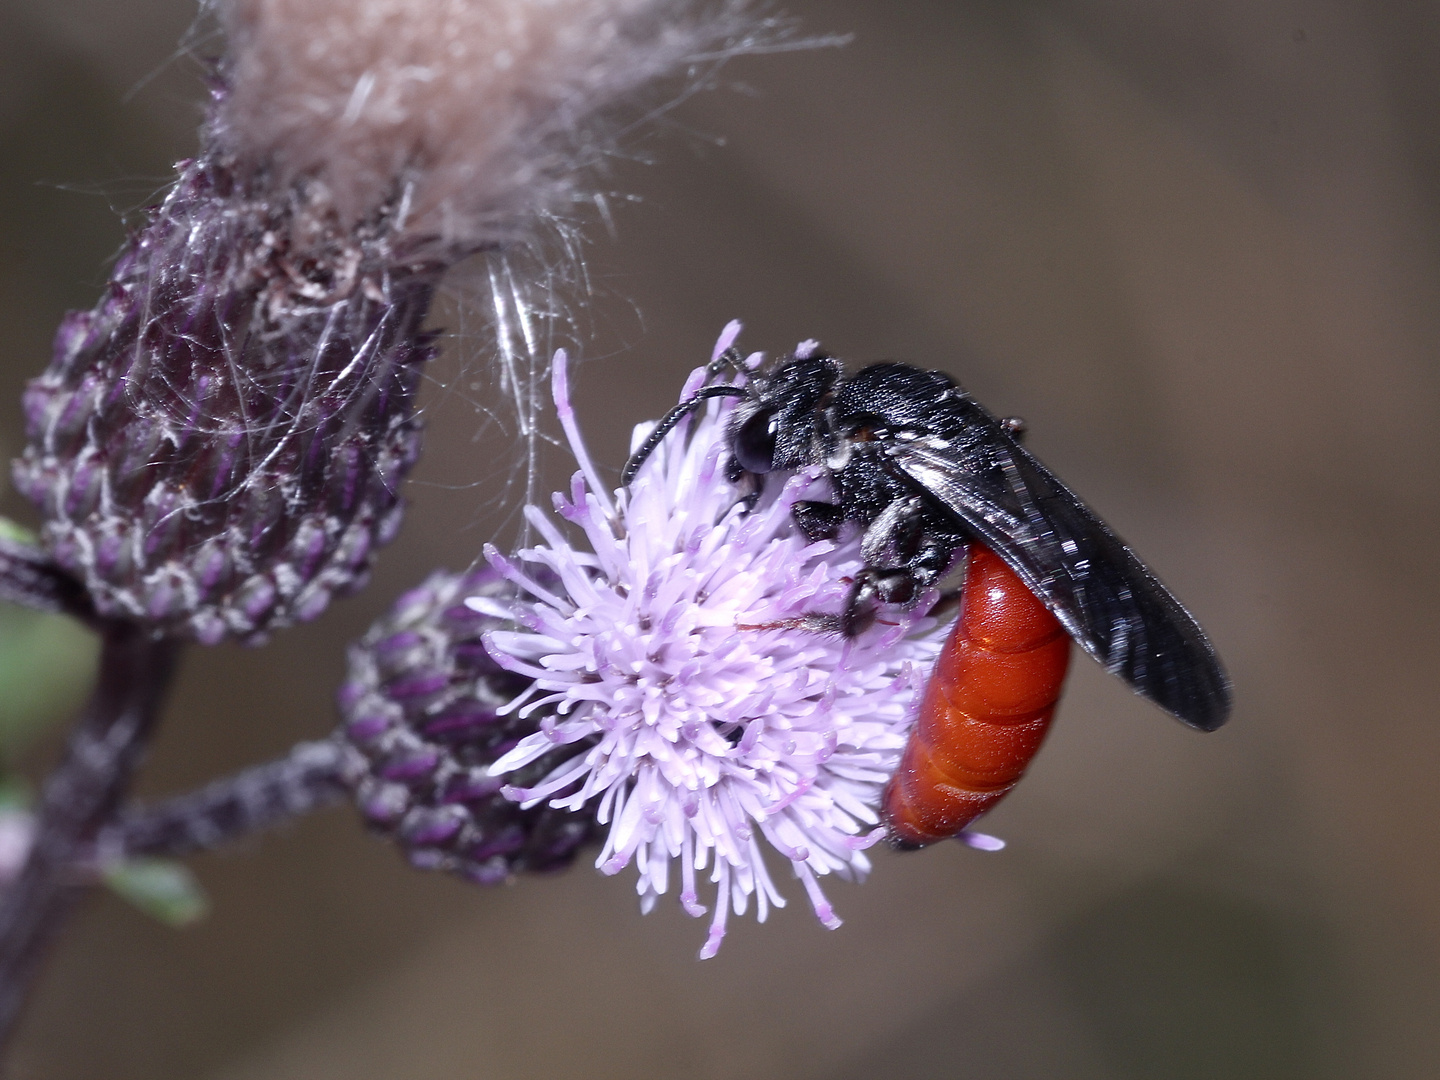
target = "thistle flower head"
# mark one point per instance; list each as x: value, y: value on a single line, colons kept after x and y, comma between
x: 711, y: 728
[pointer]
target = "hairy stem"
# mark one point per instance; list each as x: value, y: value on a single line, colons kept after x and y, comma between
x: 78, y: 798
x: 307, y: 778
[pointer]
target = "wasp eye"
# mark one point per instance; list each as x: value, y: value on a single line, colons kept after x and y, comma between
x: 755, y: 442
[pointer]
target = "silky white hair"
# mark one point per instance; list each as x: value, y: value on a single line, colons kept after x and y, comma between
x: 479, y: 113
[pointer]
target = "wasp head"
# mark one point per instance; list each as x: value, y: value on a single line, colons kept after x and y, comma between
x: 781, y: 422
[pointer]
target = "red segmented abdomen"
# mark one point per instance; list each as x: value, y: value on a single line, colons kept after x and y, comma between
x: 985, y: 710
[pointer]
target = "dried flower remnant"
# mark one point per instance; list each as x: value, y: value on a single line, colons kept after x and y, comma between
x: 423, y: 720
x: 488, y: 108
x: 705, y: 728
x: 217, y: 447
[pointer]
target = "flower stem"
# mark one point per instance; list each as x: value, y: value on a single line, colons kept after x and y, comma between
x: 307, y: 778
x: 78, y: 797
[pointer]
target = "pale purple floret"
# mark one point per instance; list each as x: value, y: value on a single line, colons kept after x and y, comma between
x: 717, y: 728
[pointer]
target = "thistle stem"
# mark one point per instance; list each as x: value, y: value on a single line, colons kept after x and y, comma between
x: 78, y: 798
x: 307, y: 778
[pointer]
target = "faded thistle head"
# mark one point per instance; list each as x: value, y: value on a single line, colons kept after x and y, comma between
x: 217, y: 447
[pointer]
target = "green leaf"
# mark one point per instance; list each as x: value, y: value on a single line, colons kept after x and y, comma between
x: 15, y: 794
x: 162, y: 888
x: 47, y: 664
x: 13, y: 530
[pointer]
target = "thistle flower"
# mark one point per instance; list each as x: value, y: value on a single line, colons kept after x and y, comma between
x: 423, y: 720
x: 217, y: 447
x: 705, y: 723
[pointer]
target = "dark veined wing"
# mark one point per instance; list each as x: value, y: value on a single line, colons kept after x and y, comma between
x: 1106, y: 598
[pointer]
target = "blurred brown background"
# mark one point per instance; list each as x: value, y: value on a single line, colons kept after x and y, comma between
x: 1197, y: 246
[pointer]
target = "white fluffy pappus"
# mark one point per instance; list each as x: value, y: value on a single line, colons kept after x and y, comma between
x: 714, y: 726
x: 486, y: 107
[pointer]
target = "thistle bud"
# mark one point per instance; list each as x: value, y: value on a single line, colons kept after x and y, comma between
x: 425, y: 715
x: 217, y: 447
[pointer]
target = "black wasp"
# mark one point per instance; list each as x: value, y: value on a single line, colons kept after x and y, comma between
x: 923, y: 470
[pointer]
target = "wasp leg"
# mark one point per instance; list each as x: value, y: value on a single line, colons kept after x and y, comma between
x: 818, y: 520
x: 873, y: 587
x: 938, y: 555
x: 893, y: 539
x: 906, y: 551
x: 890, y: 542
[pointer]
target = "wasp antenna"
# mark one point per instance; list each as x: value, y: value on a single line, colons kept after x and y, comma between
x: 673, y: 417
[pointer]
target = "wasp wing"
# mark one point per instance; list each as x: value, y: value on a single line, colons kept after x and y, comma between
x: 1104, y: 596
